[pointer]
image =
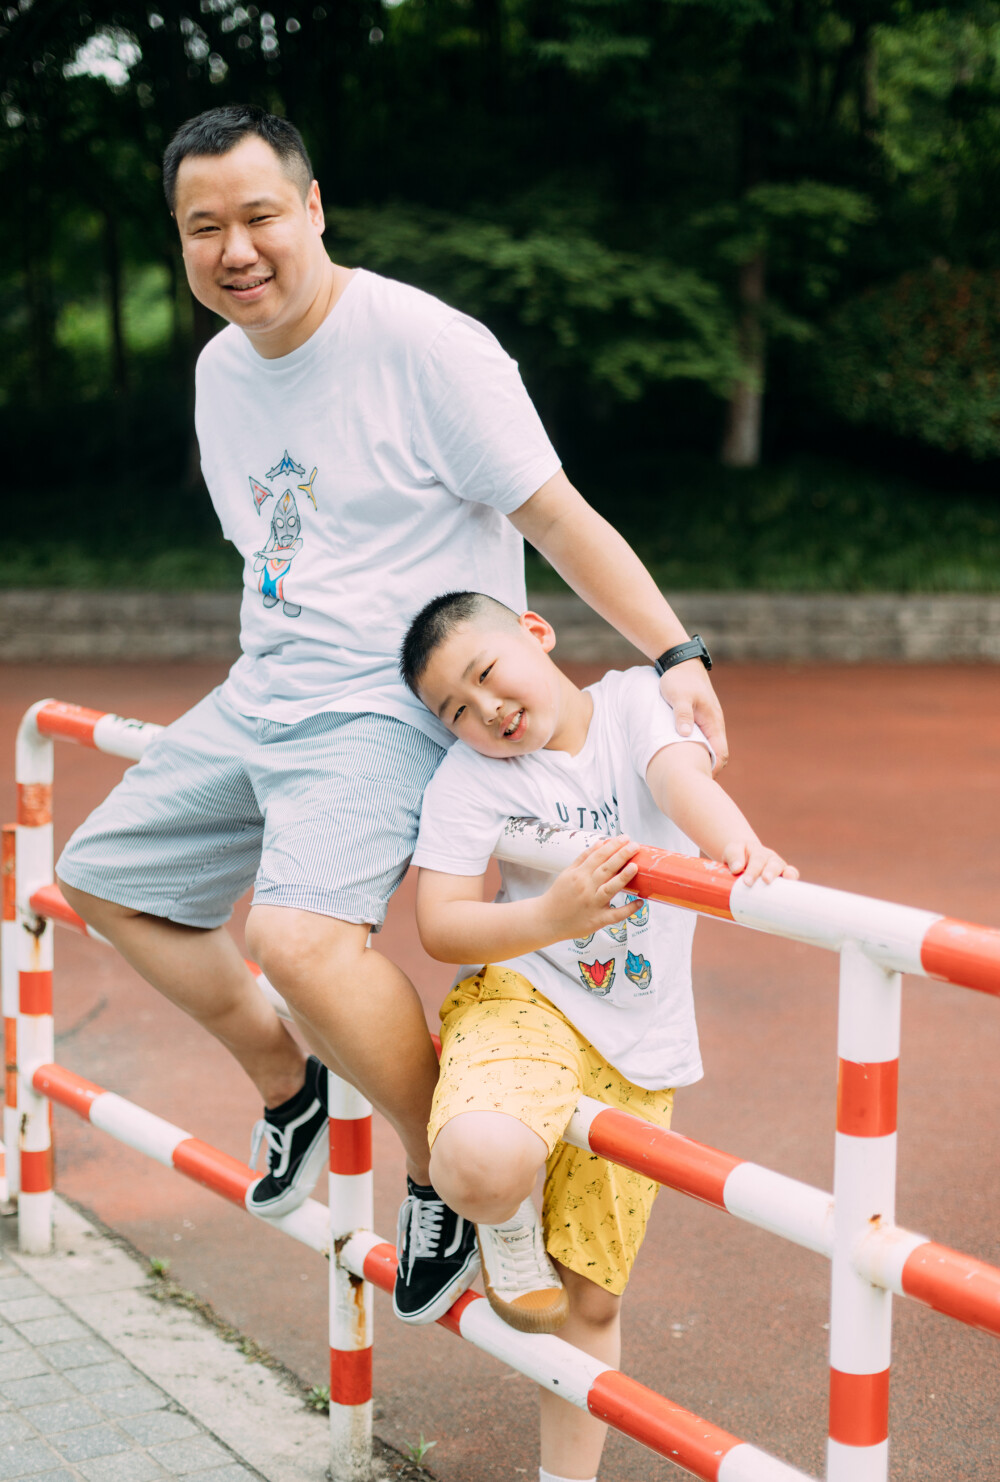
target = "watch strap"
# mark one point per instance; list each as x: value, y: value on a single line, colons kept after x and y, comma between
x: 694, y: 648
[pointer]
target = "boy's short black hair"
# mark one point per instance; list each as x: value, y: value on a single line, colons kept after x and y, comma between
x: 437, y: 621
x: 219, y: 130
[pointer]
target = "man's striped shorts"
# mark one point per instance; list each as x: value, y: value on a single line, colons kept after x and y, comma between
x: 321, y: 816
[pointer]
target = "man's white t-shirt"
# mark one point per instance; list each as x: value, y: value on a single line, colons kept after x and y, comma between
x: 626, y: 988
x: 361, y: 475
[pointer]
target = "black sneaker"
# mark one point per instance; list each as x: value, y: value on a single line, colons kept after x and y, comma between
x: 438, y: 1256
x: 298, y: 1147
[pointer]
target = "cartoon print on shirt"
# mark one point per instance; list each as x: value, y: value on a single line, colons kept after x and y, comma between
x: 285, y: 539
x: 618, y: 931
x: 274, y: 561
x: 640, y: 916
x: 260, y: 492
x: 286, y: 464
x: 638, y: 970
x: 581, y: 942
x: 307, y: 487
x: 598, y: 976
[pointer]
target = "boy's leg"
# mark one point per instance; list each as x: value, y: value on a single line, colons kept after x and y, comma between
x: 595, y: 1215
x: 510, y: 1078
x: 572, y: 1439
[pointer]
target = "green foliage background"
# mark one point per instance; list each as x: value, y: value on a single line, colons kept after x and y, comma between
x: 602, y: 182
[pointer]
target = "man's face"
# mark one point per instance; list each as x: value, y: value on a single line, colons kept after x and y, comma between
x: 252, y: 246
x: 495, y: 686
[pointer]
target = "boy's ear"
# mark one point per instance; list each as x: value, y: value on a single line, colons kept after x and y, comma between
x: 539, y: 629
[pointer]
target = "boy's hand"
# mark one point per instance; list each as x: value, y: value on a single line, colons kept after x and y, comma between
x: 577, y: 902
x: 754, y: 861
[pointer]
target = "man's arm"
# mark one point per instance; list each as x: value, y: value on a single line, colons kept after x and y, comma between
x: 457, y: 925
x: 602, y: 568
x: 680, y: 779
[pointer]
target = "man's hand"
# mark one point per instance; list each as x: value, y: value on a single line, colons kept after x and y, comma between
x: 578, y: 901
x: 688, y: 690
x: 754, y: 861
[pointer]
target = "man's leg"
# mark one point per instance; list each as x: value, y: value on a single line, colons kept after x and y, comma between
x: 352, y: 1004
x: 202, y: 972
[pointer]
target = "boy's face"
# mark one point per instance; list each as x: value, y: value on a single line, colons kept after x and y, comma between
x: 495, y: 687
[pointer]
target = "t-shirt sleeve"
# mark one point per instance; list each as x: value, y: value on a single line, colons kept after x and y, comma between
x: 648, y: 720
x: 462, y: 816
x: 474, y: 425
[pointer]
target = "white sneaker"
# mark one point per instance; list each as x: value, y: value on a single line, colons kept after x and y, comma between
x: 521, y: 1283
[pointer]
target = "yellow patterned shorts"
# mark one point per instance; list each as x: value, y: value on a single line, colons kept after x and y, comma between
x: 505, y: 1048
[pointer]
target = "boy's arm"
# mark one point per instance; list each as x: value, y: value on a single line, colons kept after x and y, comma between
x: 604, y: 570
x: 680, y: 779
x: 457, y: 925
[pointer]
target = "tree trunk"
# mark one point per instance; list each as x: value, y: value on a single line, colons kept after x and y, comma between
x: 113, y: 268
x: 744, y: 413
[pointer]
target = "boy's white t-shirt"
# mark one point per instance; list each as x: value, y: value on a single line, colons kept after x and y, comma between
x: 361, y: 475
x: 628, y: 991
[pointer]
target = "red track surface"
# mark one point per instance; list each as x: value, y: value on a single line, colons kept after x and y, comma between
x: 883, y: 781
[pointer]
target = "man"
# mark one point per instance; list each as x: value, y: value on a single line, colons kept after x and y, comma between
x: 366, y: 447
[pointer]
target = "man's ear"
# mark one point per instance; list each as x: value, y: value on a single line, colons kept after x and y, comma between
x: 539, y: 629
x: 314, y: 207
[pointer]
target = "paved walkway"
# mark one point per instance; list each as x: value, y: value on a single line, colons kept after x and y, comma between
x: 101, y: 1382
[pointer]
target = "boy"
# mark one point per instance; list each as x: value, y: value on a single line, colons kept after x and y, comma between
x: 587, y: 989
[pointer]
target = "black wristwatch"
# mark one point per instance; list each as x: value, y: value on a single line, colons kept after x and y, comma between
x: 693, y: 649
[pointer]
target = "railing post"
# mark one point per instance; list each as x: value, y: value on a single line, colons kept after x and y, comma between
x: 351, y: 1298
x: 864, y: 1192
x: 34, y: 867
x: 8, y: 1007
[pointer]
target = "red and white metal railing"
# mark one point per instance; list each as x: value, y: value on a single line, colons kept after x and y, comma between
x: 871, y: 1257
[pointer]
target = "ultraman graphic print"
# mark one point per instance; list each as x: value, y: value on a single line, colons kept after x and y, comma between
x: 273, y: 562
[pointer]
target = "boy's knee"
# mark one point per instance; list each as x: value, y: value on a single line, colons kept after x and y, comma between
x: 483, y: 1164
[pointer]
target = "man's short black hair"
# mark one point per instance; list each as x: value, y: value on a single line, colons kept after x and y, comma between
x: 220, y: 129
x: 437, y: 621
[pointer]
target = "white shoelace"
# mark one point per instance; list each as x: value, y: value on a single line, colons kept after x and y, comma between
x: 421, y: 1225
x: 515, y: 1255
x: 275, y: 1137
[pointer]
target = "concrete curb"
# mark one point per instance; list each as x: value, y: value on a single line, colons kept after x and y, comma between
x: 59, y: 624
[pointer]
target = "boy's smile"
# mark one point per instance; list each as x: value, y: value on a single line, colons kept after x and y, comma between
x: 495, y: 687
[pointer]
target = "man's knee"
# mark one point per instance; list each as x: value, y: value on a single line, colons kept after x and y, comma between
x: 295, y: 946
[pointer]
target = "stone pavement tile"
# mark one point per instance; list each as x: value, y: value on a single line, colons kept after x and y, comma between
x: 75, y: 1355
x: 17, y: 1286
x: 127, y: 1466
x: 36, y: 1391
x: 96, y: 1440
x: 27, y: 1307
x: 135, y: 1401
x: 64, y: 1415
x: 13, y: 1428
x: 160, y: 1425
x: 196, y: 1454
x: 62, y: 1475
x: 9, y: 1340
x: 23, y: 1459
x: 21, y: 1365
x: 232, y: 1473
x: 52, y: 1329
x: 99, y: 1377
